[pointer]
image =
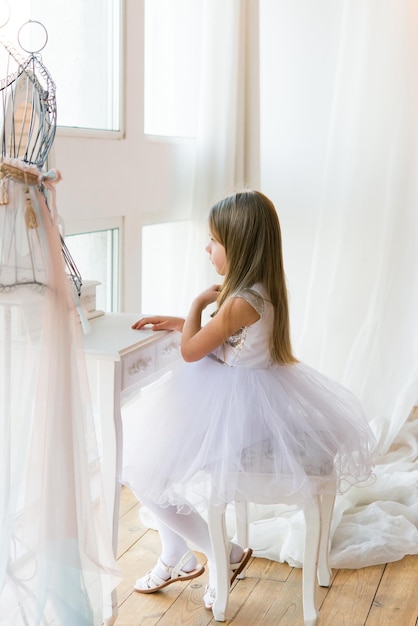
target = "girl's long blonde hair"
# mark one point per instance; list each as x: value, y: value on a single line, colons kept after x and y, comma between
x: 247, y: 225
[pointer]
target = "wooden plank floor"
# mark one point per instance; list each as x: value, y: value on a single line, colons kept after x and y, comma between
x: 270, y: 595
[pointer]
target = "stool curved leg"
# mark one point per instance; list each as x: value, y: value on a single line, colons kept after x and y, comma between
x: 310, y: 561
x: 324, y: 570
x: 241, y: 515
x: 220, y: 547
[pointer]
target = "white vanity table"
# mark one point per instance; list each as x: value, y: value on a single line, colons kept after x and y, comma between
x: 120, y: 361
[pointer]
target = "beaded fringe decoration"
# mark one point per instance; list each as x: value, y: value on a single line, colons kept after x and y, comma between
x: 29, y: 178
x: 30, y: 215
x: 4, y: 195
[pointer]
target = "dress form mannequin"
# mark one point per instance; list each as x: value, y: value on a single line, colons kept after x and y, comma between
x: 51, y: 561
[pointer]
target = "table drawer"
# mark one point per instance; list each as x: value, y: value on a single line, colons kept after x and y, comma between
x: 168, y: 350
x: 138, y: 366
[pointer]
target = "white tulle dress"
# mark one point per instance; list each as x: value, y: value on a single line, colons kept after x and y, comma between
x: 217, y: 423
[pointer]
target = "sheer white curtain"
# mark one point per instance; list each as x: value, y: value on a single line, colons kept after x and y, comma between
x: 365, y: 275
x: 227, y: 133
x: 362, y: 304
x: 361, y: 321
x: 212, y: 101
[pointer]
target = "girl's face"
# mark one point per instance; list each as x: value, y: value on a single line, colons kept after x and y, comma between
x: 217, y: 255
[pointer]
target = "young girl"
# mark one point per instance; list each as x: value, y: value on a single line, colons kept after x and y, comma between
x: 240, y: 403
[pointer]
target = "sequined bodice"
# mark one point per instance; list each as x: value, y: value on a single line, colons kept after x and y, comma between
x: 249, y: 346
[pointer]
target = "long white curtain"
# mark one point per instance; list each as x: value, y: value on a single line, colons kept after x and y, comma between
x: 365, y: 274
x: 362, y: 303
x: 227, y: 133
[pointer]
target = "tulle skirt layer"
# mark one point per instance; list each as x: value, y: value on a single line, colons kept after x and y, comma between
x: 212, y: 430
x: 55, y: 542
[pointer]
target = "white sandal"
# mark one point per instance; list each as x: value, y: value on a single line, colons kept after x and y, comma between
x: 151, y: 582
x: 236, y: 568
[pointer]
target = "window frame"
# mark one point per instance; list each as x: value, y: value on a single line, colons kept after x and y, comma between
x: 100, y: 133
x: 92, y: 225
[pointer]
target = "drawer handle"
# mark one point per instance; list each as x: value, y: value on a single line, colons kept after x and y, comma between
x: 140, y: 365
x: 171, y: 347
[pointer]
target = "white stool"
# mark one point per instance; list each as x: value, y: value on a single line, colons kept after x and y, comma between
x: 318, y: 514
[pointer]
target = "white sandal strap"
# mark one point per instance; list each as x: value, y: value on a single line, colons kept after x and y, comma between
x: 151, y: 580
x: 176, y: 570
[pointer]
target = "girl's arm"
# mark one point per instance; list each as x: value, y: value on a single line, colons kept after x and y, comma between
x: 160, y: 322
x: 197, y: 341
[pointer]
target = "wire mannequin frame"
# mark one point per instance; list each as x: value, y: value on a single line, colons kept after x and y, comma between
x: 29, y: 117
x: 28, y: 107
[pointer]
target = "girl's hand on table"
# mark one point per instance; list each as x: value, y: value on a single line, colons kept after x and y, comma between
x: 160, y: 322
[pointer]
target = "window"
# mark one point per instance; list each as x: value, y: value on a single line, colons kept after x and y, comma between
x: 164, y: 246
x: 172, y: 70
x: 96, y: 254
x: 172, y: 60
x: 82, y: 53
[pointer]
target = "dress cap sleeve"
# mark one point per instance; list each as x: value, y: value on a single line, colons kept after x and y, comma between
x: 254, y: 298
